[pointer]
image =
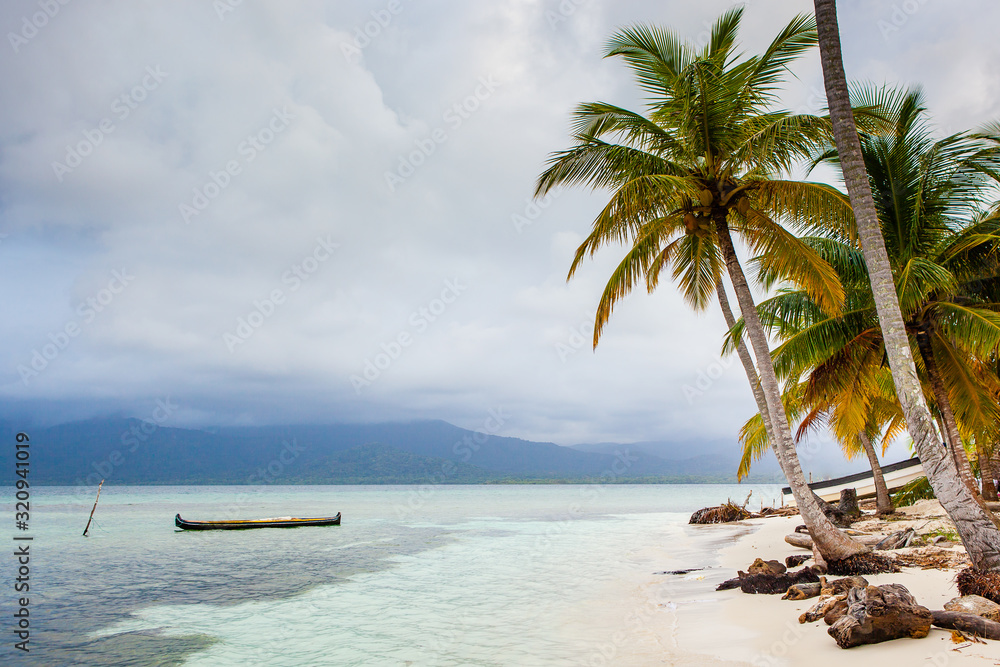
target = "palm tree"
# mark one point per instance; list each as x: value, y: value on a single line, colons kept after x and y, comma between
x: 706, y: 162
x: 972, y: 520
x: 857, y: 412
x: 944, y: 252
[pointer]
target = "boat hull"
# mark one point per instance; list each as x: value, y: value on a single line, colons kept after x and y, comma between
x: 896, y: 476
x: 283, y: 522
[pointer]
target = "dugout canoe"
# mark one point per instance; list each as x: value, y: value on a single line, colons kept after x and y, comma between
x: 896, y: 475
x: 244, y: 524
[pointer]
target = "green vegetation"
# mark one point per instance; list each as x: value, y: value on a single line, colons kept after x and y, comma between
x: 918, y: 489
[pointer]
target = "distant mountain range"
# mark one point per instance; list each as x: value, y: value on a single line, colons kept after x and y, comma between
x: 129, y: 451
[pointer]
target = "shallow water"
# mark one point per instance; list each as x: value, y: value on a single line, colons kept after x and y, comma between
x: 433, y: 575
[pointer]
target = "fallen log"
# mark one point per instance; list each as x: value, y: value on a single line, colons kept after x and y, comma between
x: 799, y: 540
x: 804, y: 541
x: 897, y: 540
x: 802, y: 591
x: 975, y: 605
x: 770, y: 583
x: 839, y: 586
x: 821, y: 608
x: 880, y: 613
x: 969, y: 623
x: 796, y: 560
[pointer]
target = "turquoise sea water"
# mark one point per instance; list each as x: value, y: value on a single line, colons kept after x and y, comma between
x: 432, y: 575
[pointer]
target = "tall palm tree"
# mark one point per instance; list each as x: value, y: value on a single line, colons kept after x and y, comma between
x: 944, y: 250
x: 858, y: 413
x: 705, y: 162
x: 979, y: 533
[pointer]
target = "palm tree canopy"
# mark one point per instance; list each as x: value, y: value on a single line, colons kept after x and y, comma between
x: 710, y: 142
x: 944, y: 246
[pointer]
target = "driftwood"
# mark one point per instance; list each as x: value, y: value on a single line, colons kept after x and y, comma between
x: 880, y: 613
x: 839, y: 586
x: 837, y: 611
x: 970, y: 623
x: 761, y: 566
x: 821, y: 608
x: 804, y: 541
x: 799, y: 540
x: 770, y: 584
x: 730, y: 511
x: 824, y: 588
x: 802, y: 591
x: 898, y: 540
x: 796, y: 560
x: 975, y: 605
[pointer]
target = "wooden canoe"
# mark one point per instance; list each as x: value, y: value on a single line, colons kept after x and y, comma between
x: 896, y: 475
x: 277, y: 522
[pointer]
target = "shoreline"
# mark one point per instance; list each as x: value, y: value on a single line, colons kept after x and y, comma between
x: 739, y: 629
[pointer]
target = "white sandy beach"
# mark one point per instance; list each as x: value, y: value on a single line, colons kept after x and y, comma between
x: 742, y: 629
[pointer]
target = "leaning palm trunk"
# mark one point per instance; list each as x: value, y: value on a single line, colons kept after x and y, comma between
x: 975, y: 525
x: 831, y: 543
x: 748, y: 365
x: 987, y: 471
x: 949, y: 426
x: 883, y: 504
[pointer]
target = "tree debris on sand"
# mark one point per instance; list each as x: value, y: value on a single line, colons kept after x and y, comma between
x: 975, y: 604
x: 796, y: 560
x: 929, y: 558
x: 976, y: 582
x: 730, y: 511
x: 864, y: 563
x: 770, y: 583
x: 824, y: 588
x: 880, y: 613
x: 970, y: 623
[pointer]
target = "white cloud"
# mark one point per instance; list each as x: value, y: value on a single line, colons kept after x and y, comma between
x: 515, y: 76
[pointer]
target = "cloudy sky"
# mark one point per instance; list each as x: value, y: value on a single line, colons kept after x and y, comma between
x: 321, y: 211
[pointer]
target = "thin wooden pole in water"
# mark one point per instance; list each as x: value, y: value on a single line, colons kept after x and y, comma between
x: 94, y: 508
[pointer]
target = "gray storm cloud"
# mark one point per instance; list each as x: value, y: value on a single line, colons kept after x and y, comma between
x: 324, y: 209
